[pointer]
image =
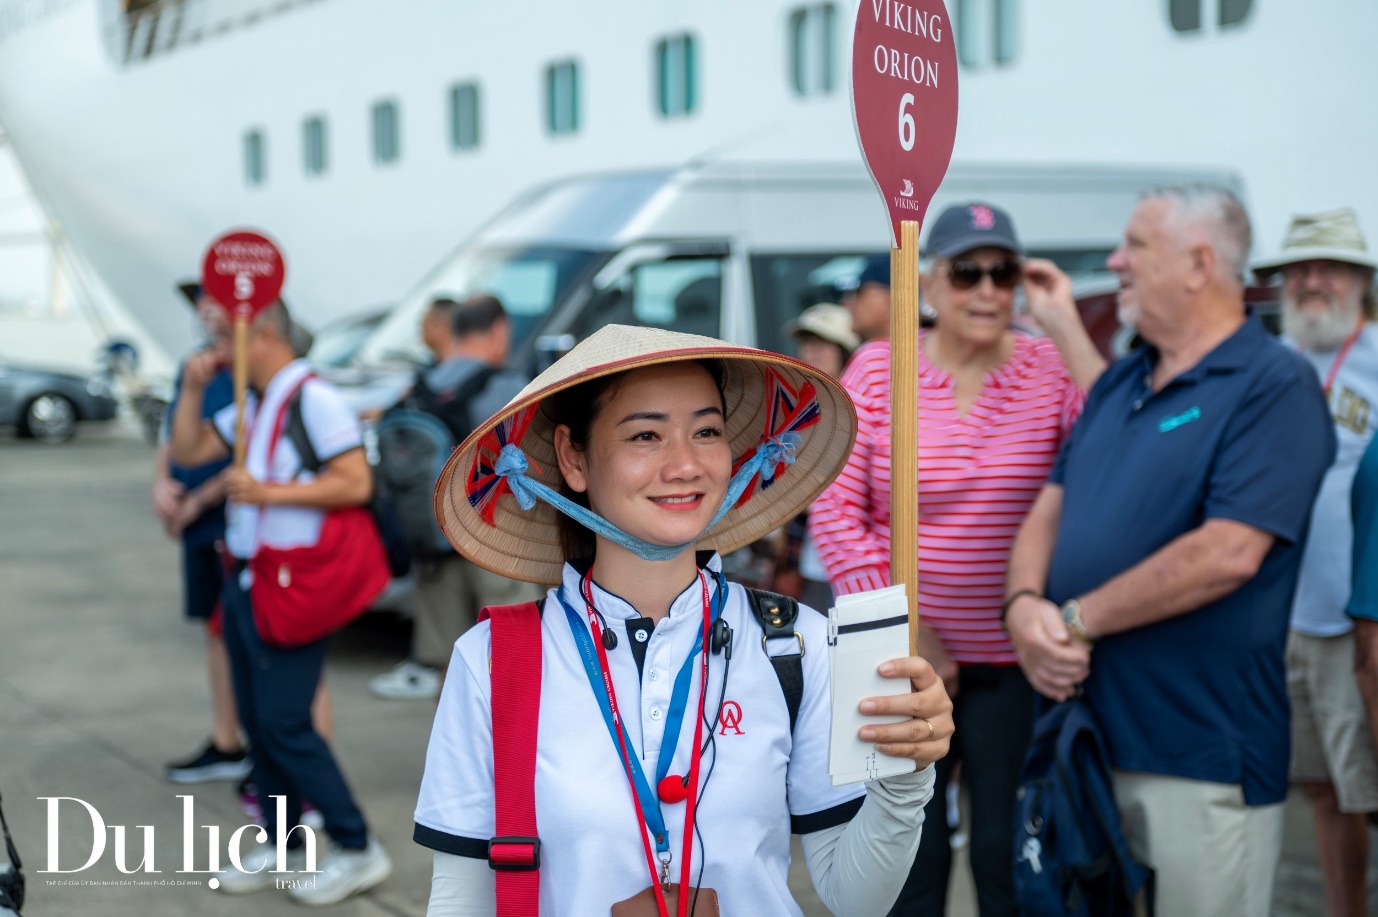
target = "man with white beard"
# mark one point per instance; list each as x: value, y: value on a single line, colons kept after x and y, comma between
x: 1328, y: 306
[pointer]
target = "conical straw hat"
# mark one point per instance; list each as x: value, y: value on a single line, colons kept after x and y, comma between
x: 525, y: 544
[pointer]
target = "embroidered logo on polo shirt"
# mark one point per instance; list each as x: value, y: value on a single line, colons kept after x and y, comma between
x: 1168, y: 424
x: 731, y: 718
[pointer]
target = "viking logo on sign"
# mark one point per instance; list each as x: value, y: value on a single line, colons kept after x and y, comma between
x: 982, y: 218
x: 908, y: 189
x: 731, y: 718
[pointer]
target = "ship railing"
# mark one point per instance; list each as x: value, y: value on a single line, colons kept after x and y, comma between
x: 145, y: 29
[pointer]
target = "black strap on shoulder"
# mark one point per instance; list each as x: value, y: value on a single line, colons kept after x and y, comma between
x: 294, y: 428
x: 453, y: 407
x: 776, y: 614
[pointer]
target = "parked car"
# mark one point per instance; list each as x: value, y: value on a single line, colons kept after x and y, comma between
x: 47, y: 405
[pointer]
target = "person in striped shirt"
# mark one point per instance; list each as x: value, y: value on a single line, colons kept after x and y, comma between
x: 994, y: 407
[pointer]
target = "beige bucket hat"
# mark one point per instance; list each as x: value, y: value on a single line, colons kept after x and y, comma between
x: 1330, y: 236
x: 768, y: 397
x: 829, y: 321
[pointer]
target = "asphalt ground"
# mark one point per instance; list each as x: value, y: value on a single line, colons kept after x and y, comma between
x: 101, y: 682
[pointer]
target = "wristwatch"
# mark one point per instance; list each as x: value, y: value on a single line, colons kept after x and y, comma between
x: 1071, y: 616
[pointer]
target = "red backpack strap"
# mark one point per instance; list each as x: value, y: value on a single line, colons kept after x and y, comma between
x: 515, y: 850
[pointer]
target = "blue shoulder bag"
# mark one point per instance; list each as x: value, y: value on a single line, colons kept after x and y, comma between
x: 1070, y: 857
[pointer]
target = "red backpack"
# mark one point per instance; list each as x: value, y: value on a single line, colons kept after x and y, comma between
x: 514, y: 852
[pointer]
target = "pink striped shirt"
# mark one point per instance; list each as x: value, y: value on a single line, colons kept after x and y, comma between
x: 978, y: 477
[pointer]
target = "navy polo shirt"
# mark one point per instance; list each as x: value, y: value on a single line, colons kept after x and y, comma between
x: 1244, y: 435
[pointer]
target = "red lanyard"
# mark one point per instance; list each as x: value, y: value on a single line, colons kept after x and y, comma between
x: 687, y: 844
x: 1344, y: 352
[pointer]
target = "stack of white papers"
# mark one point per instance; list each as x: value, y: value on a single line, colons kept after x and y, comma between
x: 864, y: 630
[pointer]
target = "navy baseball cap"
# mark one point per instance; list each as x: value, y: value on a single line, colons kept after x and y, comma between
x: 877, y: 270
x: 964, y: 227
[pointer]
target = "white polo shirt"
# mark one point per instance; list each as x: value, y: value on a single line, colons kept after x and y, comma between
x: 765, y: 784
x: 332, y: 429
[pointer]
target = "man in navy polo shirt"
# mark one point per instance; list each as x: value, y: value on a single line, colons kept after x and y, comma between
x: 1169, y: 538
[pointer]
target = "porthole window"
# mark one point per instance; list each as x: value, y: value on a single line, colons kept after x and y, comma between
x: 813, y: 49
x: 313, y: 145
x: 464, y: 116
x: 1194, y: 15
x: 562, y: 97
x: 676, y: 75
x: 387, y: 147
x: 255, y: 158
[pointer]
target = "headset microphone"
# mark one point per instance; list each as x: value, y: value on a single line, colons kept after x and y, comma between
x: 609, y: 638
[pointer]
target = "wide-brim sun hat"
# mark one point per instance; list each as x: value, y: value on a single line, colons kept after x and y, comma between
x: 767, y: 396
x: 827, y: 321
x: 1330, y: 236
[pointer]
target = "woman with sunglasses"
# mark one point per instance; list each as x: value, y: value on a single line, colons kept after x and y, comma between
x: 668, y: 767
x: 994, y: 408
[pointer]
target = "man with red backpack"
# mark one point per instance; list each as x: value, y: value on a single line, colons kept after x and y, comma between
x: 281, y: 510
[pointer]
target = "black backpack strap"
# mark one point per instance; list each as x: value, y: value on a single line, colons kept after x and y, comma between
x: 12, y: 886
x: 294, y: 428
x: 776, y: 614
x: 10, y: 852
x: 454, y: 407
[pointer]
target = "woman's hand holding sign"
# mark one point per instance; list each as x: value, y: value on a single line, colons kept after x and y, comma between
x: 925, y: 736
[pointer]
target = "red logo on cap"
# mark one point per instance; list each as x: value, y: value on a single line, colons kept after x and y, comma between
x: 982, y: 217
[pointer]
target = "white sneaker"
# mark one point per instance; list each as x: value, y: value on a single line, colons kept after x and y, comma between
x: 344, y: 873
x: 257, y: 874
x: 408, y: 681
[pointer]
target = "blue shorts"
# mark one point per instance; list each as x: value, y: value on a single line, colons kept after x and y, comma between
x: 203, y: 578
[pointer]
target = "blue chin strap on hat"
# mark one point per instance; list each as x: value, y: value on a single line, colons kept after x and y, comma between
x: 768, y: 461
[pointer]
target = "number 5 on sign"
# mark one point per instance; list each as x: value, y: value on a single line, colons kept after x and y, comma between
x: 228, y: 274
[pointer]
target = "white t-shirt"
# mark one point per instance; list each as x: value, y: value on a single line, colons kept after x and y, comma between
x: 332, y: 429
x: 1324, y: 583
x: 765, y: 784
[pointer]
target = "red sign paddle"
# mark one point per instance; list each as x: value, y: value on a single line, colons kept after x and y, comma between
x: 243, y: 271
x: 904, y: 98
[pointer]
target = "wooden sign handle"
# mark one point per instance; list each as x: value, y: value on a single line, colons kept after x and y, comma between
x: 904, y: 422
x: 241, y: 382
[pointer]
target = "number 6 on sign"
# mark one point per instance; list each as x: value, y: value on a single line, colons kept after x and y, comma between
x: 906, y: 122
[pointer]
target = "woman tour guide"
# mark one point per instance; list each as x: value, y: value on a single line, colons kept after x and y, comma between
x: 669, y: 765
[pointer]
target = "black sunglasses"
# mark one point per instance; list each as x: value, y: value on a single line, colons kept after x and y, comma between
x: 965, y: 275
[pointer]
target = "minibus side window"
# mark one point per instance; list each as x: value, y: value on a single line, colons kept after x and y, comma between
x: 681, y: 294
x: 786, y: 285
